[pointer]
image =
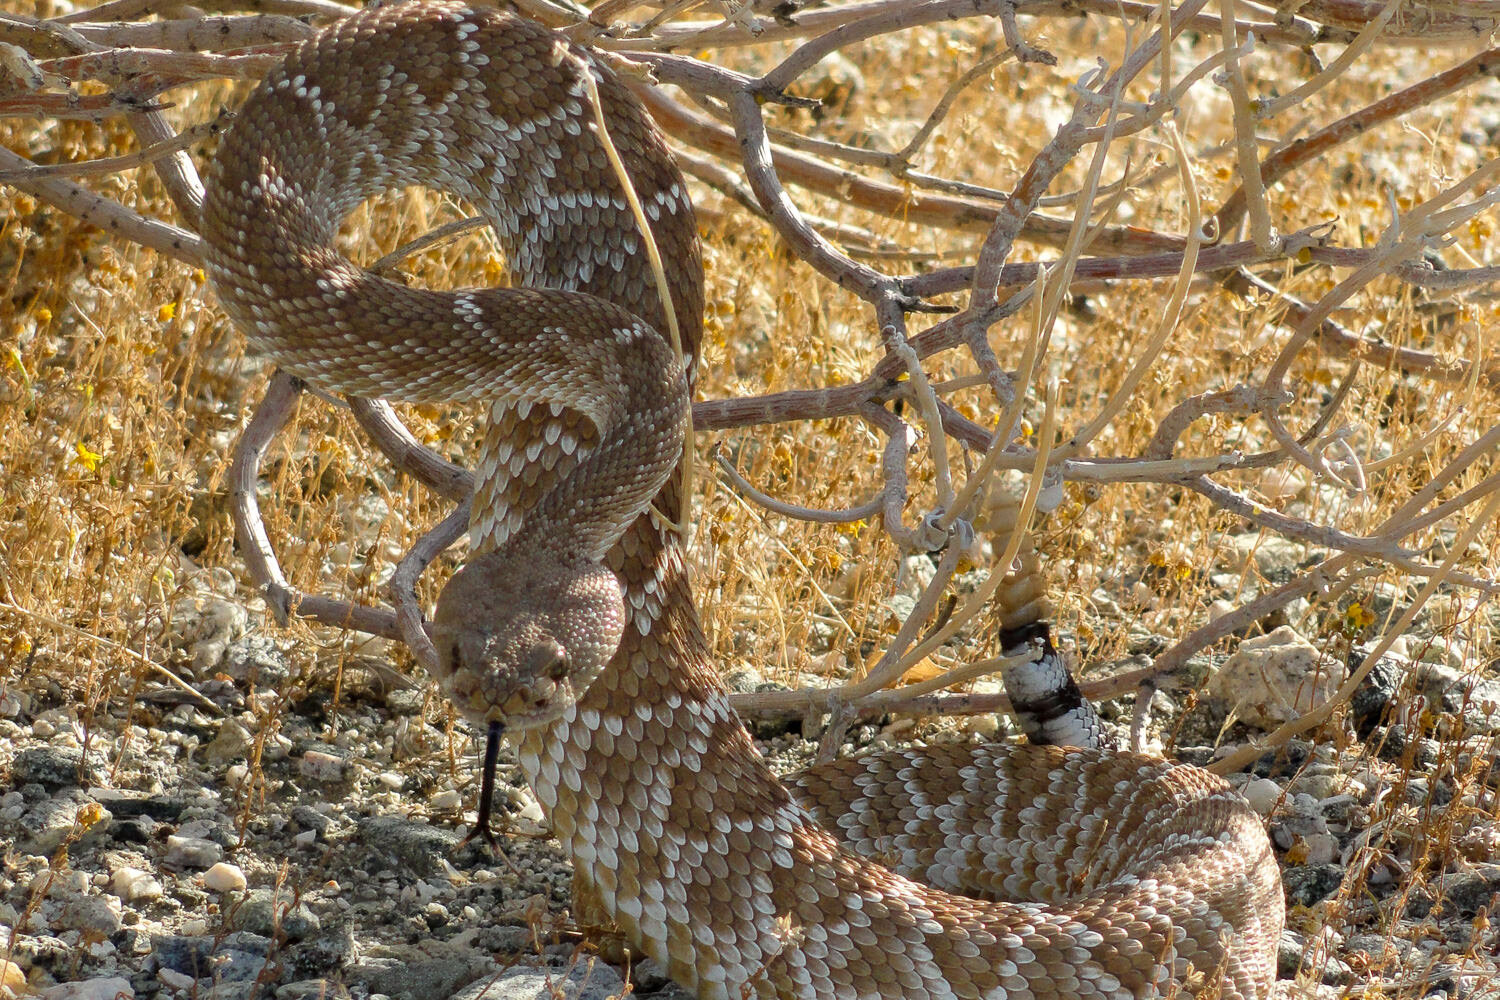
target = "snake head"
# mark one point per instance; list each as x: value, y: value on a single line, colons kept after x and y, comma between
x: 519, y: 639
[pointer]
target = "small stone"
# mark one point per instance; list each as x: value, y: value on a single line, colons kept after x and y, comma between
x: 1262, y: 794
x: 51, y: 821
x: 89, y: 913
x: 224, y: 877
x: 1309, y: 884
x: 234, y: 740
x: 51, y: 767
x: 585, y: 980
x: 11, y: 978
x: 1274, y: 678
x: 647, y: 976
x: 1322, y: 848
x: 172, y: 979
x: 317, y: 765
x: 1219, y: 608
x: 322, y: 954
x: 390, y: 779
x: 192, y: 852
x: 112, y: 988
x: 448, y: 800
x: 204, y: 627
x: 308, y: 818
x: 135, y: 886
x: 266, y: 913
x: 255, y: 657
x: 1279, y: 485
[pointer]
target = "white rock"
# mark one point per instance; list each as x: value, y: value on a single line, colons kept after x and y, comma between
x: 1322, y: 849
x: 320, y: 766
x: 447, y: 800
x: 173, y: 979
x: 1218, y: 609
x: 1281, y: 484
x: 1274, y: 678
x: 390, y: 779
x: 135, y: 886
x: 224, y: 877
x: 192, y: 852
x: 1262, y: 794
x: 92, y: 989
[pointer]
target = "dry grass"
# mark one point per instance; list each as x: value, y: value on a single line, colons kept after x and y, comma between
x: 122, y: 388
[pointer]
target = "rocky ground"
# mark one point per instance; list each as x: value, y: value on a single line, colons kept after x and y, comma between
x: 260, y: 835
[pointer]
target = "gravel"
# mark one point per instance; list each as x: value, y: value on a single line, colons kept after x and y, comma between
x: 192, y: 854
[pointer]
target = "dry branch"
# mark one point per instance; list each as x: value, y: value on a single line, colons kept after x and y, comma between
x: 855, y: 212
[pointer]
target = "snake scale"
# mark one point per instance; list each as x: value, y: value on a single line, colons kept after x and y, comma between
x: 989, y: 871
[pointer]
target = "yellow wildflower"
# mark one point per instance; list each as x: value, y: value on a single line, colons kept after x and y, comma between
x: 88, y: 459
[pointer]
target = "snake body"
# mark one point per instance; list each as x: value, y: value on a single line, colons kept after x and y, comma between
x: 983, y: 872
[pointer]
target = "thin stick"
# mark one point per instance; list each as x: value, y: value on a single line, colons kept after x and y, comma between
x: 1320, y: 714
x: 664, y: 291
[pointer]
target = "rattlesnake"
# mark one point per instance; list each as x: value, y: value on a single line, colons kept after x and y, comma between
x: 946, y: 872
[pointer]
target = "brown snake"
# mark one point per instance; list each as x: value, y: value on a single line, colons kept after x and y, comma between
x: 947, y: 872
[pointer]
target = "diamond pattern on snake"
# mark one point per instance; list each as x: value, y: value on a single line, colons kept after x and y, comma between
x: 989, y: 872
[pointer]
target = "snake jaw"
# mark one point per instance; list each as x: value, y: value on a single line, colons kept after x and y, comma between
x: 521, y: 637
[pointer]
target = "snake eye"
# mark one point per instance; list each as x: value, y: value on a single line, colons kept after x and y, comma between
x: 548, y: 659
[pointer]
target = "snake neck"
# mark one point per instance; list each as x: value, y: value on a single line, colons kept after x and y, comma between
x: 679, y: 830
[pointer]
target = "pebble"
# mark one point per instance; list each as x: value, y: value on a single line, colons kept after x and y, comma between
x: 11, y: 977
x: 50, y: 822
x: 13, y: 703
x: 584, y: 980
x: 51, y: 767
x: 266, y: 913
x: 89, y: 913
x: 307, y: 989
x: 1273, y: 678
x: 317, y: 765
x: 1262, y: 794
x: 224, y: 877
x: 448, y: 800
x: 135, y: 886
x: 192, y: 852
x: 111, y: 988
x: 172, y: 979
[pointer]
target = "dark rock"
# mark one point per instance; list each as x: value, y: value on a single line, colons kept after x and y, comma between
x: 417, y: 972
x: 165, y: 808
x: 51, y: 767
x: 1307, y: 884
x: 269, y: 913
x: 236, y: 958
x: 1294, y: 958
x: 1372, y: 701
x: 134, y: 830
x: 418, y: 847
x: 325, y: 953
x: 1458, y: 894
x: 307, y: 818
